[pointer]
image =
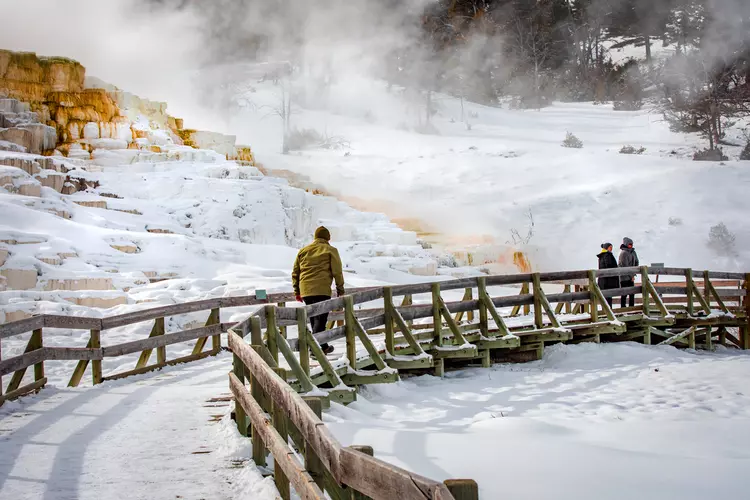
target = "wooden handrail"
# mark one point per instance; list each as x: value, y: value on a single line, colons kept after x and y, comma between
x: 363, y: 473
x: 369, y: 318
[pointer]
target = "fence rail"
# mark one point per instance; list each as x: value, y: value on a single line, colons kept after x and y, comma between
x: 289, y: 378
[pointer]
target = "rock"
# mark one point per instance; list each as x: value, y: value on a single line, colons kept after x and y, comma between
x: 110, y: 144
x: 69, y: 188
x: 132, y: 211
x: 12, y: 147
x: 61, y: 213
x: 52, y: 260
x: 99, y: 302
x: 426, y: 269
x: 125, y: 248
x: 30, y: 188
x: 91, y: 131
x: 31, y: 167
x: 3, y: 255
x: 11, y: 316
x: 159, y: 230
x: 243, y: 155
x: 79, y: 284
x: 91, y: 203
x: 35, y: 137
x: 14, y: 106
x: 20, y: 279
x: 222, y: 144
x: 51, y: 179
x: 29, y: 78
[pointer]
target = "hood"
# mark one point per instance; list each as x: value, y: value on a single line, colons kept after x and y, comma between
x: 627, y: 242
x: 322, y: 233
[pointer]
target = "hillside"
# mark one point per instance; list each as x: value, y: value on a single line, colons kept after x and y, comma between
x: 471, y: 188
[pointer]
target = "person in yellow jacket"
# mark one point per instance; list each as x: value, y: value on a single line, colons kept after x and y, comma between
x: 315, y: 268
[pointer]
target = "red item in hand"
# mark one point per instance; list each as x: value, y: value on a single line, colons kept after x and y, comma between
x: 299, y: 298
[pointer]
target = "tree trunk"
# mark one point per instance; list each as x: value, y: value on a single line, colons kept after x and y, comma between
x: 647, y: 39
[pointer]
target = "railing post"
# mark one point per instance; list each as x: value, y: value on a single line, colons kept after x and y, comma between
x: 256, y: 340
x: 304, y: 350
x: 282, y: 329
x: 408, y: 301
x: 37, y: 343
x: 312, y: 462
x: 271, y: 331
x: 437, y: 318
x: 463, y: 489
x: 688, y: 282
x: 437, y: 321
x: 645, y: 295
x: 279, y: 421
x: 351, y: 336
x: 96, y: 364
x: 161, y: 352
x: 256, y: 335
x: 745, y: 331
x: 706, y: 288
x: 470, y: 313
x: 592, y: 297
x: 538, y: 312
x: 216, y: 339
x: 525, y: 291
x: 238, y: 367
x: 367, y: 450
x: 390, y: 341
x: 483, y: 320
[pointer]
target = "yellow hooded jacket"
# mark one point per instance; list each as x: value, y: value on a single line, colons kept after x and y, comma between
x: 316, y: 267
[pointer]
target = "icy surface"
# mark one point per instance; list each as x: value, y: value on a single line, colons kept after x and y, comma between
x: 155, y: 437
x: 611, y: 421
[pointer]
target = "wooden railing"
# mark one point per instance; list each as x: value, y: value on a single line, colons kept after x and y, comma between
x: 36, y: 353
x: 286, y: 391
x: 277, y: 413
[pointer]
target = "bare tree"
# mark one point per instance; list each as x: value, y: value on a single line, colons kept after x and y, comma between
x: 533, y: 48
x: 284, y: 107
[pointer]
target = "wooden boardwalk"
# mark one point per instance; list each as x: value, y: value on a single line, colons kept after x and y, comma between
x: 282, y: 381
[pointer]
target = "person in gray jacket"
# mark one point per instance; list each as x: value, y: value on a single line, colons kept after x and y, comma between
x: 628, y: 258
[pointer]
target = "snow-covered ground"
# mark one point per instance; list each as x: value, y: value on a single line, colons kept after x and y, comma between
x: 162, y: 436
x: 586, y: 422
x: 614, y: 421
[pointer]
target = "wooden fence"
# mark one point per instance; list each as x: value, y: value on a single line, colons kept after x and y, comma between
x: 291, y: 379
x: 36, y: 353
x: 287, y: 387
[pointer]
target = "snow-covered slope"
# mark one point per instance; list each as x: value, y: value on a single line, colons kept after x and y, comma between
x: 615, y: 421
x: 478, y: 185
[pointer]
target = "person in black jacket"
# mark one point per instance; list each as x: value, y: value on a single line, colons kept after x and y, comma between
x: 628, y: 258
x: 607, y: 261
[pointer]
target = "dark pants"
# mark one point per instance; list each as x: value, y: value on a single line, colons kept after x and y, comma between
x: 318, y: 323
x: 631, y: 298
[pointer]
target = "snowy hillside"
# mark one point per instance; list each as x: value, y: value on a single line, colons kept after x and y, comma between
x: 476, y: 186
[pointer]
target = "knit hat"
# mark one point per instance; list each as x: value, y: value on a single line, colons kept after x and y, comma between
x: 323, y: 233
x: 606, y: 245
x: 627, y: 241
